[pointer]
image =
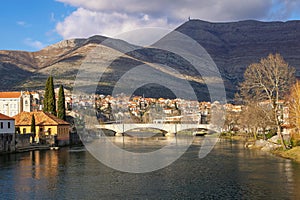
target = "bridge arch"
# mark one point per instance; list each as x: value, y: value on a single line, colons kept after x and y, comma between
x: 169, y: 129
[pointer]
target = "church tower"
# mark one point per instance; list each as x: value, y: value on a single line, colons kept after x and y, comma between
x: 27, y: 102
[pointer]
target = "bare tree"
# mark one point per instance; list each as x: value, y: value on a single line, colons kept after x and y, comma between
x: 269, y: 80
x: 264, y: 117
x: 294, y: 107
x: 257, y: 117
x: 231, y: 120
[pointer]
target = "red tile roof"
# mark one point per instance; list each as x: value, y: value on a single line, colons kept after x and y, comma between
x: 41, y: 119
x: 10, y: 94
x: 5, y: 117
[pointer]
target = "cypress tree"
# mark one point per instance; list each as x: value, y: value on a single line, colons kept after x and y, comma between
x: 45, y: 102
x: 61, y: 108
x: 32, y: 128
x: 51, y: 97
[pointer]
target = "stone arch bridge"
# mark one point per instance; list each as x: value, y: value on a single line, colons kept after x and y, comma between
x: 120, y: 128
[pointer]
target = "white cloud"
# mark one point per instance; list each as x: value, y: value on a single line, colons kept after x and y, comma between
x: 110, y: 17
x: 37, y: 45
x: 23, y: 24
x: 85, y: 23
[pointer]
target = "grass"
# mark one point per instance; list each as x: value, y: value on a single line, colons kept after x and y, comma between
x: 293, y: 154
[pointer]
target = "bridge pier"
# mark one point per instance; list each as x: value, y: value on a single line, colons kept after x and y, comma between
x: 170, y: 134
x: 118, y: 134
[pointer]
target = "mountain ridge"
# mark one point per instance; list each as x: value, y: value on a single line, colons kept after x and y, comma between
x: 232, y: 45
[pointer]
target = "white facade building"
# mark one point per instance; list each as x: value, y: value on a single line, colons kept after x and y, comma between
x: 12, y: 103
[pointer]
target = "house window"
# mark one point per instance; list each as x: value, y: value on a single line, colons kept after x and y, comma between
x: 8, y: 125
x: 24, y: 130
x: 1, y: 125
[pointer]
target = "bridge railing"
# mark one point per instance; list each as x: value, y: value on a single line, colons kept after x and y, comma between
x: 154, y: 122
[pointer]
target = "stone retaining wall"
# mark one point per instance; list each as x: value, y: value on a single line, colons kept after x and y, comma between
x: 7, y: 143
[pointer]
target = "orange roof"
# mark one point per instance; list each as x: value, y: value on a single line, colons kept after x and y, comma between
x: 10, y: 94
x: 27, y: 92
x: 41, y: 119
x: 5, y: 117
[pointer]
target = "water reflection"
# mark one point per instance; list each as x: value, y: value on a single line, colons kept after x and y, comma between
x: 296, y: 180
x: 228, y: 172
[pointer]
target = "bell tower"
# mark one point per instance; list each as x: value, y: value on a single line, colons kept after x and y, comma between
x: 27, y: 102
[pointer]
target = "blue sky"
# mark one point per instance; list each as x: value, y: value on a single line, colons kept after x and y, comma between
x: 30, y: 25
x: 33, y: 24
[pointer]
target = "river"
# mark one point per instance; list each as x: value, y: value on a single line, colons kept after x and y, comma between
x: 229, y: 172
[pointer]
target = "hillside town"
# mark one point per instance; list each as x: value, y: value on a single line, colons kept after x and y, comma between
x: 17, y: 109
x: 266, y: 117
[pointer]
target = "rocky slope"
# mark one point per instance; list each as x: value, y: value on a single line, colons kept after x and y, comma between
x: 233, y: 46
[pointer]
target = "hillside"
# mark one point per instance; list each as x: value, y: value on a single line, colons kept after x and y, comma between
x: 233, y: 46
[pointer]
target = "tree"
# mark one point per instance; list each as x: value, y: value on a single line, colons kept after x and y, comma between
x: 45, y: 102
x: 61, y: 108
x: 32, y: 127
x: 49, y: 97
x: 294, y: 107
x: 255, y: 117
x: 264, y: 116
x: 269, y: 80
x: 231, y: 120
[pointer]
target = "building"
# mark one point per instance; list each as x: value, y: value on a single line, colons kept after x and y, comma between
x: 7, y: 133
x: 12, y: 103
x: 49, y: 128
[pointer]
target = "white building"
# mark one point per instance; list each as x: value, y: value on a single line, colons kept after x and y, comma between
x: 7, y: 133
x: 12, y: 103
x: 7, y: 124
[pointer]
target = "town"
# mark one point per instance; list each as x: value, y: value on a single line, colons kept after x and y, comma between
x: 264, y: 117
x: 17, y: 109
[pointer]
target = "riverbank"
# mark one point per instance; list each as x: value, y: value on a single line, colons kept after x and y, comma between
x: 293, y: 154
x: 250, y: 143
x: 238, y: 138
x: 32, y: 148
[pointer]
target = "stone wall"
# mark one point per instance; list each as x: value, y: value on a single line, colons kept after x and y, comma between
x: 74, y: 139
x: 7, y: 143
x: 23, y: 140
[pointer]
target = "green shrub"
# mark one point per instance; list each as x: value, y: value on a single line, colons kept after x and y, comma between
x: 295, y: 142
x: 271, y: 133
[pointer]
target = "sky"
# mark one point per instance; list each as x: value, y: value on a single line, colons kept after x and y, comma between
x: 34, y: 24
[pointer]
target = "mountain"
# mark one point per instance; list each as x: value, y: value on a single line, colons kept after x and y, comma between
x: 28, y: 70
x: 232, y: 46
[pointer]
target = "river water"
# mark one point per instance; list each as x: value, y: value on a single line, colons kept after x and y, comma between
x: 228, y: 172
